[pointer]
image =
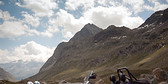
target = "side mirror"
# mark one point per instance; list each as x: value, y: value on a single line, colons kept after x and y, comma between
x: 123, y: 78
x: 93, y: 76
x: 112, y: 78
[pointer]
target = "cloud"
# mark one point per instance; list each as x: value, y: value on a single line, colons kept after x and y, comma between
x: 5, y: 15
x: 100, y: 12
x: 31, y: 19
x: 75, y: 4
x: 136, y: 5
x: 10, y: 29
x: 31, y: 51
x: 1, y: 3
x: 119, y: 16
x: 50, y: 31
x: 52, y: 28
x: 107, y: 2
x: 132, y: 22
x: 101, y: 16
x: 68, y: 23
x: 156, y: 5
x: 4, y: 58
x: 40, y: 7
x: 68, y: 35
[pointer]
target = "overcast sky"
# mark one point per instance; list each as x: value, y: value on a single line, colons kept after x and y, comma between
x: 31, y: 29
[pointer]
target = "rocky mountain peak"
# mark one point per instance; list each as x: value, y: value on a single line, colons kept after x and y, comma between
x: 90, y: 28
x: 158, y: 17
x: 112, y: 31
x: 87, y: 31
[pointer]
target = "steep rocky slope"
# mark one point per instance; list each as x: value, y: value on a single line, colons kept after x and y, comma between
x: 6, y: 76
x: 105, y: 50
x: 86, y: 32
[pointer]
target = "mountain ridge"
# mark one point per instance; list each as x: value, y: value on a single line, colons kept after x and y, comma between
x: 20, y: 69
x: 158, y: 17
x: 87, y: 31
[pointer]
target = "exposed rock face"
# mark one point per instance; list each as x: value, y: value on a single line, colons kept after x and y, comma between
x: 114, y: 32
x: 52, y: 60
x: 87, y: 31
x: 158, y: 17
x: 6, y: 76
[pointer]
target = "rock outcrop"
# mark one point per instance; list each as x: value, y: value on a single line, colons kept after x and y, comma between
x: 158, y: 76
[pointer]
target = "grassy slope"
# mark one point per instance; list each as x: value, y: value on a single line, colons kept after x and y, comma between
x: 157, y: 59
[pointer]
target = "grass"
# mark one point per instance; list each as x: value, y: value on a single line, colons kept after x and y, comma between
x: 157, y: 57
x: 66, y: 73
x: 148, y: 58
x: 6, y: 82
x: 106, y: 69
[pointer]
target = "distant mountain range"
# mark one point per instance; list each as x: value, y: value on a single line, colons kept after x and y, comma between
x: 103, y: 51
x: 20, y: 69
x: 6, y: 76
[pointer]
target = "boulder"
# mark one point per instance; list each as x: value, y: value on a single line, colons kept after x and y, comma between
x: 152, y: 79
x: 163, y: 83
x: 160, y: 74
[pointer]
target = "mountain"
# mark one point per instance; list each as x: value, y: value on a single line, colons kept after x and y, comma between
x: 113, y: 31
x: 158, y: 17
x: 103, y: 51
x: 6, y: 76
x: 87, y: 31
x: 20, y: 69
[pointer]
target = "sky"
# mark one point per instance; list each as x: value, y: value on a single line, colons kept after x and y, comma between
x: 30, y: 30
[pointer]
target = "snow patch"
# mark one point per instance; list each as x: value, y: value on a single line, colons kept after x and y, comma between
x: 150, y: 30
x: 148, y: 25
x: 118, y: 37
